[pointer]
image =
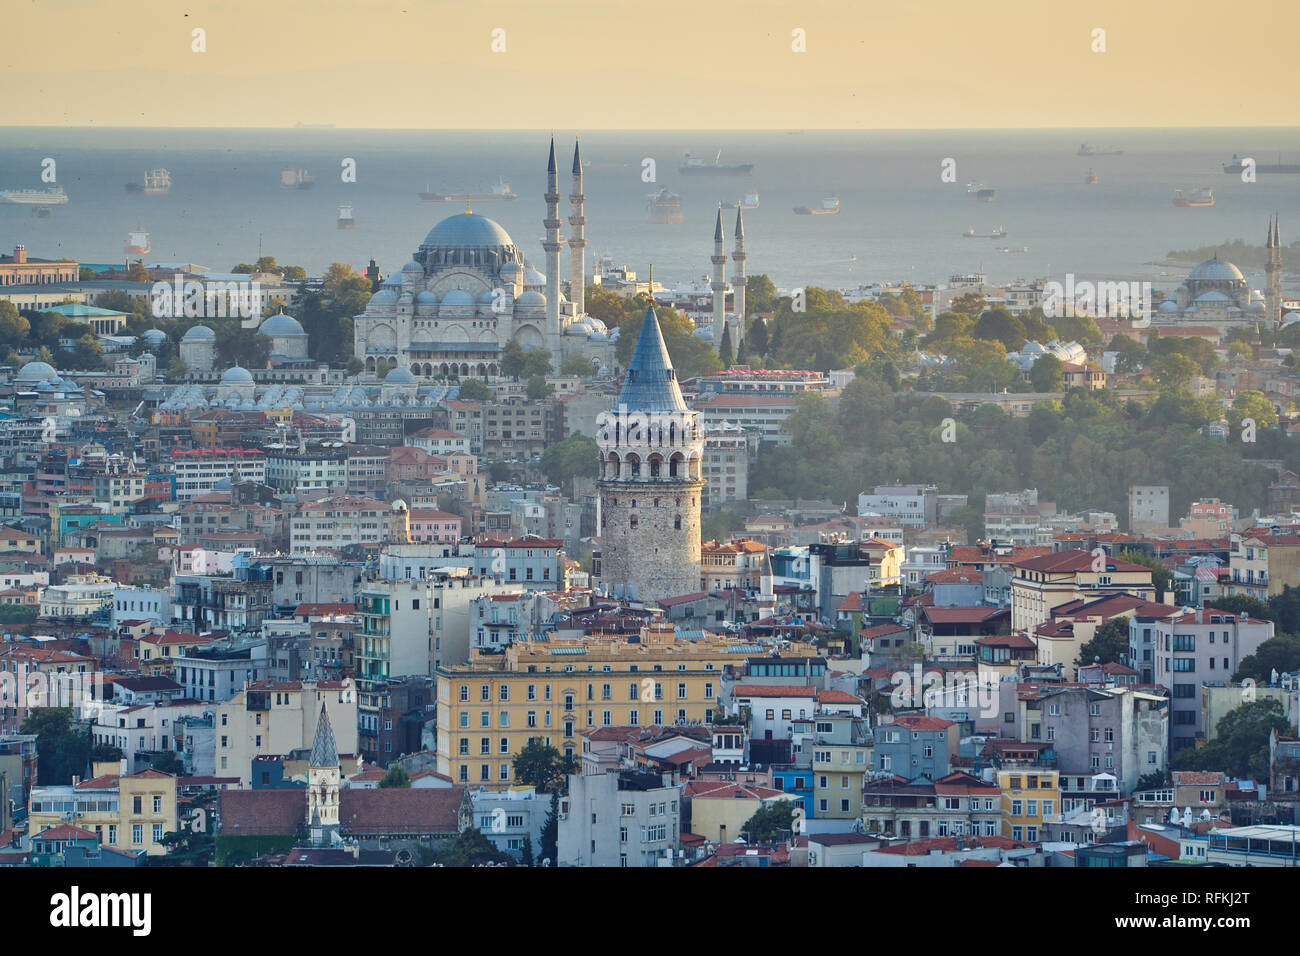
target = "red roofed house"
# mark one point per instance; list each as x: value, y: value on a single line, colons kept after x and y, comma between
x: 1043, y: 583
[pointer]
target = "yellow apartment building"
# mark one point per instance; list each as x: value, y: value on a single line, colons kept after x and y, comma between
x: 1029, y: 796
x: 489, y: 708
x: 128, y: 812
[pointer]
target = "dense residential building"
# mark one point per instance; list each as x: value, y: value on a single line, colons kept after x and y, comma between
x: 490, y: 707
x: 622, y: 818
x: 1042, y: 584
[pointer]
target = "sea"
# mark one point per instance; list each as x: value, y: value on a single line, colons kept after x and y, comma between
x: 899, y: 221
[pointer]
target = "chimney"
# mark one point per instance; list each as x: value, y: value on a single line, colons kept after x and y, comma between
x: 20, y: 254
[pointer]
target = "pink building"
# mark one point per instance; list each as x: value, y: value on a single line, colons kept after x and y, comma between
x: 429, y: 526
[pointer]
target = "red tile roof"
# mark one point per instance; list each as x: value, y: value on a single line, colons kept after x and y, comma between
x: 774, y: 690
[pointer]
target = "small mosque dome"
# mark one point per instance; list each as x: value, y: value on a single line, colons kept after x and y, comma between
x: 34, y: 371
x: 399, y: 376
x: 235, y: 375
x: 199, y: 333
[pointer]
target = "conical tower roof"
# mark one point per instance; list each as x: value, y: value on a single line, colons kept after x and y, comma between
x: 577, y: 159
x: 651, y: 384
x: 324, y: 751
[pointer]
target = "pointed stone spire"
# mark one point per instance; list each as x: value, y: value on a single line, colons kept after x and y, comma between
x: 719, y: 284
x: 324, y: 751
x: 738, y: 258
x: 577, y: 239
x: 651, y: 383
x: 552, y: 245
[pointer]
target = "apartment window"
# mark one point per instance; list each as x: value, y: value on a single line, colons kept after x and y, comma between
x: 157, y: 804
x: 485, y: 692
x: 136, y: 805
x: 504, y: 692
x: 505, y: 745
x: 485, y: 745
x: 1017, y: 807
x: 137, y: 834
x: 681, y: 691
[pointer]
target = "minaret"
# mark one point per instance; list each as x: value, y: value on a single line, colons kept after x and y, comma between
x: 719, y: 285
x: 651, y: 447
x: 552, y: 247
x: 577, y: 238
x: 738, y: 280
x: 324, y: 777
x: 1273, y: 273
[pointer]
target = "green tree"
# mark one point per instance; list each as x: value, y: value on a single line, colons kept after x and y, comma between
x: 395, y: 778
x: 61, y: 751
x: 526, y: 851
x: 756, y: 341
x: 549, y: 840
x: 575, y: 456
x: 1161, y: 576
x: 1109, y: 642
x: 475, y: 390
x: 538, y: 388
x: 468, y: 848
x: 726, y: 354
x: 760, y: 294
x: 1175, y: 371
x: 537, y: 364
x: 137, y: 272
x: 970, y: 304
x: 1252, y: 404
x: 169, y: 762
x: 537, y: 765
x: 1240, y: 744
x: 1048, y: 374
x: 1001, y: 326
x: 512, y: 360
x: 235, y: 346
x: 769, y: 822
x: 13, y: 327
x: 1280, y: 653
x: 578, y: 366
x: 88, y: 353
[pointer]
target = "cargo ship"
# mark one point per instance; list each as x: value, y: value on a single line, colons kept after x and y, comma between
x: 1236, y: 166
x: 829, y: 207
x: 291, y: 178
x: 981, y: 193
x: 1197, y: 197
x: 345, y: 217
x: 137, y: 243
x: 998, y: 233
x: 750, y: 201
x: 53, y: 196
x: 157, y: 182
x: 699, y: 167
x: 664, y: 208
x: 501, y: 192
x: 1087, y: 149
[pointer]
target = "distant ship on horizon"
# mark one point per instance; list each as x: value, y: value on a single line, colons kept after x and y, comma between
x: 291, y: 178
x: 1087, y: 149
x: 157, y: 182
x: 692, y: 166
x: 830, y: 207
x: 1197, y: 197
x: 981, y: 193
x: 51, y: 196
x: 749, y: 201
x: 345, y: 217
x: 501, y: 192
x: 998, y: 233
x: 1236, y: 166
x: 137, y: 243
x: 664, y: 208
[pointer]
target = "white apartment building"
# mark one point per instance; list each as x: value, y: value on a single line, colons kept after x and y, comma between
x: 276, y: 717
x: 198, y: 471
x: 338, y: 522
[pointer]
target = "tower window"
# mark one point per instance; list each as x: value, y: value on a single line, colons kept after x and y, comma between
x: 677, y: 523
x: 632, y: 521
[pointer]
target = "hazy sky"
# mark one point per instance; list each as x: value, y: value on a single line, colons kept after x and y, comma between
x: 644, y: 64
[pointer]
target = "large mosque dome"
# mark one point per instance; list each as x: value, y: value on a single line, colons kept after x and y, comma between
x: 1216, y: 270
x: 468, y: 230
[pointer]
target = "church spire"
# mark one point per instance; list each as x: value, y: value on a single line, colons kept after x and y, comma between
x: 324, y: 751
